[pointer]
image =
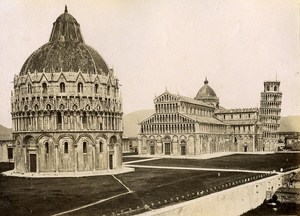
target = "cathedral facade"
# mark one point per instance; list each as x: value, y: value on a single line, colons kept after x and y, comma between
x: 195, y: 126
x: 66, y: 107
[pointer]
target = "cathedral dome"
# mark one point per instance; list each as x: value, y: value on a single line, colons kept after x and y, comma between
x: 205, y: 91
x: 65, y: 51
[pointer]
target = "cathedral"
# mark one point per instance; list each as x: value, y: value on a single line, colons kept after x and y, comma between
x: 195, y: 126
x: 66, y: 107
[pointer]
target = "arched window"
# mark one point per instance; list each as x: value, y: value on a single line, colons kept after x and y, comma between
x: 44, y: 88
x: 62, y: 87
x: 275, y: 88
x: 29, y: 90
x: 48, y: 107
x: 36, y: 107
x: 47, y: 147
x: 113, y: 140
x: 101, y: 146
x: 66, y: 147
x: 80, y: 87
x: 96, y: 88
x: 84, y: 147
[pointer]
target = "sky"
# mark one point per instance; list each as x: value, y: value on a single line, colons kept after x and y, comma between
x: 168, y: 44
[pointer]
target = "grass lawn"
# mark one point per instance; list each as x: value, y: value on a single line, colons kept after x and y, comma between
x: 266, y: 162
x: 155, y: 185
x: 46, y: 196
x: 6, y: 166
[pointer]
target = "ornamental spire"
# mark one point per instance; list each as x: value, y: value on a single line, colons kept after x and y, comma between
x: 206, y: 81
x: 66, y: 9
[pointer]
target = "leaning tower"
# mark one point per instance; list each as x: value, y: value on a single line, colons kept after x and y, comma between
x: 270, y: 107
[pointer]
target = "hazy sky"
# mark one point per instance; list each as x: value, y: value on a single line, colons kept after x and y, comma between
x: 157, y: 44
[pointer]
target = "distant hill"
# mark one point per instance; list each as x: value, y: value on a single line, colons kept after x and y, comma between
x: 130, y: 122
x: 5, y: 133
x: 290, y: 124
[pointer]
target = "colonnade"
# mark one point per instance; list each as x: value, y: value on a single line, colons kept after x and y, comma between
x: 69, y: 120
x: 267, y: 111
x: 271, y: 97
x: 168, y: 128
x: 166, y: 108
x: 184, y: 107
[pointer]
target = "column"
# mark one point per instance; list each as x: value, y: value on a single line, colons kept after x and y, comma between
x: 94, y: 157
x: 62, y: 121
x: 69, y: 121
x: 42, y: 118
x: 56, y: 158
x: 104, y: 122
x: 37, y: 159
x: 88, y: 120
x: 20, y: 121
x: 36, y: 121
x: 49, y: 119
x: 76, y: 157
x: 25, y: 158
x: 75, y: 121
x: 80, y: 121
x: 54, y: 121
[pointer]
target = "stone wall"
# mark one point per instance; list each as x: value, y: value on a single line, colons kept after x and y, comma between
x: 233, y: 201
x: 67, y: 152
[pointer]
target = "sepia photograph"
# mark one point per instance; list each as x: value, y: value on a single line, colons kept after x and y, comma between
x: 150, y: 107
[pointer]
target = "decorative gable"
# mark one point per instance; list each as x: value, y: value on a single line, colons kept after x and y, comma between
x: 166, y: 97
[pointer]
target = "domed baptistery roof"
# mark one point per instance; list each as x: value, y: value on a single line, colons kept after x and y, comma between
x: 66, y: 107
x: 65, y: 51
x: 207, y: 94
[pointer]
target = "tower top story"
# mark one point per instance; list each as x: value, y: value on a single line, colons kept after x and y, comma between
x: 271, y: 86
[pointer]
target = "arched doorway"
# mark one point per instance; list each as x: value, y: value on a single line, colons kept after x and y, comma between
x: 183, y: 147
x: 167, y: 145
x: 31, y: 151
x: 245, y: 147
x: 152, y: 148
x: 112, y: 143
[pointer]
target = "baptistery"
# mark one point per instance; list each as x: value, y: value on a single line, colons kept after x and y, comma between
x: 66, y: 107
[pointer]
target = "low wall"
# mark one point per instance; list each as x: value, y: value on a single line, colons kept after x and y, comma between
x: 233, y: 201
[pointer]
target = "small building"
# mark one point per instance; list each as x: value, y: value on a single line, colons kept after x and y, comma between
x: 288, y: 195
x: 289, y: 132
x: 6, y: 148
x: 295, y: 180
x: 129, y: 145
